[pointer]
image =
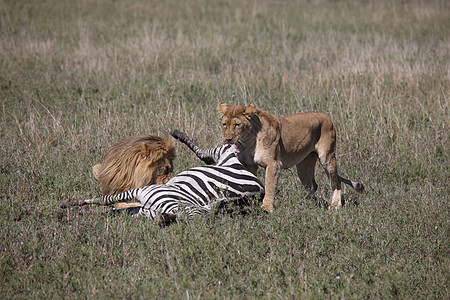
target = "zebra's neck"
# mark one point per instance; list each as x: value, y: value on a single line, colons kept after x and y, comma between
x: 228, y: 155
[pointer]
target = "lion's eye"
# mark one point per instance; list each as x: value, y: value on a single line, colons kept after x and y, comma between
x: 224, y: 124
x: 237, y: 125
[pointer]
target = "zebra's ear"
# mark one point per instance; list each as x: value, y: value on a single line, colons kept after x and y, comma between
x: 222, y: 108
x: 250, y: 109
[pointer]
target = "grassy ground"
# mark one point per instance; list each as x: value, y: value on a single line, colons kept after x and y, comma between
x: 75, y: 77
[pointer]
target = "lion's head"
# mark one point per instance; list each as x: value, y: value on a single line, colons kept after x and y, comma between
x: 237, y: 121
x: 136, y: 162
x: 156, y: 161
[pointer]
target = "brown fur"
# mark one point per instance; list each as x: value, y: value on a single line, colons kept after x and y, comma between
x: 136, y: 162
x: 279, y: 143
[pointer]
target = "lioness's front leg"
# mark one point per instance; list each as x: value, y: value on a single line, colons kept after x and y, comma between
x: 272, y: 174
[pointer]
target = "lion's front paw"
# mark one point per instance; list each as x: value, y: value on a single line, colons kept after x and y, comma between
x: 267, y: 207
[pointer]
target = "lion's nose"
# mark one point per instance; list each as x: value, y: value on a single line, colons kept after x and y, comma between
x: 228, y: 140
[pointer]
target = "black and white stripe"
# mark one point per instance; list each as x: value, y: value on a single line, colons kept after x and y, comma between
x: 197, y: 190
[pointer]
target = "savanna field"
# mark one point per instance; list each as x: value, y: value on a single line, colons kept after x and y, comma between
x: 78, y: 76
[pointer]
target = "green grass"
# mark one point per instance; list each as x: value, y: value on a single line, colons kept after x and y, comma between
x: 75, y: 77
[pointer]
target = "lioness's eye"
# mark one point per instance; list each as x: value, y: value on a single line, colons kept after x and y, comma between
x: 224, y: 124
x: 237, y: 125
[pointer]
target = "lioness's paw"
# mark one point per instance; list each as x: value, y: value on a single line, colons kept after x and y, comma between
x: 267, y: 207
x: 332, y: 207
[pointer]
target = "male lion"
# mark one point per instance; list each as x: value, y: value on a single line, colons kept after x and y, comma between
x: 275, y: 143
x: 136, y: 162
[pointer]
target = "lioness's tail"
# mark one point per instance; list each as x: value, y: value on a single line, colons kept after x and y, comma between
x: 358, y: 186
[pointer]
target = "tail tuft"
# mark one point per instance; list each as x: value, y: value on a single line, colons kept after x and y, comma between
x: 358, y: 186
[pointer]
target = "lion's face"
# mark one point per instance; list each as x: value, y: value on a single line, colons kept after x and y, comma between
x: 136, y: 162
x: 162, y: 170
x: 235, y: 121
x: 156, y: 166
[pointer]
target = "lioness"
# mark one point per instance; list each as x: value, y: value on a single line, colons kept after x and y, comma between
x: 275, y: 143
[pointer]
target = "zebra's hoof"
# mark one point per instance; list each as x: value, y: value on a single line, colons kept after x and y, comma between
x: 64, y: 203
x: 177, y: 134
x: 166, y: 219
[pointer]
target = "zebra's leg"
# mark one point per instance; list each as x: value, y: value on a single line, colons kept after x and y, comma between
x: 189, y: 209
x: 79, y: 202
x: 217, y: 203
x: 164, y: 218
x: 122, y: 197
x: 205, y: 155
x: 104, y: 200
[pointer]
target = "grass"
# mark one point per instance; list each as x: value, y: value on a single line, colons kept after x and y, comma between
x: 77, y: 77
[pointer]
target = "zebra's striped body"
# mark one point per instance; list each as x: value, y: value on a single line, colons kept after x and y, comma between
x: 197, y: 190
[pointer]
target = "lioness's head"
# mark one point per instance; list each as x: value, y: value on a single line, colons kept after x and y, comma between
x: 236, y: 121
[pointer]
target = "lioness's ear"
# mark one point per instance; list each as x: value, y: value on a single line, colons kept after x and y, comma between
x: 250, y: 109
x: 222, y: 108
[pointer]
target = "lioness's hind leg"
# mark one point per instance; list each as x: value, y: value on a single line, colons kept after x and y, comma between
x: 305, y: 171
x: 327, y: 159
x: 331, y: 169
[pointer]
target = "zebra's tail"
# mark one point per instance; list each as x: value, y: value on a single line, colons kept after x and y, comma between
x: 204, y: 155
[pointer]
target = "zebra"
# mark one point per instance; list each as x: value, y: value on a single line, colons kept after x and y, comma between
x: 195, y: 191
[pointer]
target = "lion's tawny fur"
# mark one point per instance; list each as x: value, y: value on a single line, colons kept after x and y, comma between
x: 277, y: 143
x: 136, y: 162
